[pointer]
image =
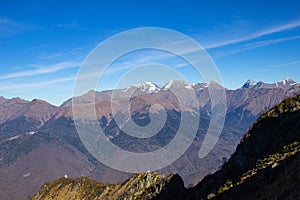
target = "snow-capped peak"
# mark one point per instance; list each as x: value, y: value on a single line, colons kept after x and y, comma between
x: 168, y: 85
x: 249, y: 84
x: 287, y: 81
x: 148, y: 87
x: 174, y: 83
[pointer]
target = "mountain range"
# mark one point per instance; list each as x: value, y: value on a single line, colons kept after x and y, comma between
x: 265, y: 165
x: 39, y: 141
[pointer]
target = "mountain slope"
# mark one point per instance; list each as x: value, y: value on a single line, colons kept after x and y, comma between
x: 18, y: 116
x: 273, y: 133
x: 280, y: 173
x: 43, y: 129
x: 266, y: 160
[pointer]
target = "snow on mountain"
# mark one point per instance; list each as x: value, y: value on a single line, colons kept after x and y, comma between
x: 168, y: 85
x: 287, y: 81
x: 177, y: 83
x: 150, y: 87
x: 147, y: 87
x: 249, y: 84
x: 191, y: 86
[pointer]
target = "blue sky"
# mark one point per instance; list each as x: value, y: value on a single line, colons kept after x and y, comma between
x: 42, y: 43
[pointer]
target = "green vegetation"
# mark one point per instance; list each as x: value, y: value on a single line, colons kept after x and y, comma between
x: 291, y: 104
x: 288, y: 105
x: 272, y: 161
x: 144, y: 186
x: 84, y: 187
x: 140, y: 186
x: 287, y: 151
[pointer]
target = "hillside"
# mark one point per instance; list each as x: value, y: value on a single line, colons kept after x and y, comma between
x: 266, y: 160
x: 265, y: 165
x: 18, y: 116
x: 279, y: 172
x: 140, y: 186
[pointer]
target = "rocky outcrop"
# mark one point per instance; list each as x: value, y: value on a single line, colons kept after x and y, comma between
x: 140, y: 186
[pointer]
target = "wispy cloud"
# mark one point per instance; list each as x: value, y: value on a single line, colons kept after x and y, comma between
x: 41, y: 70
x: 257, y: 34
x: 269, y: 67
x: 269, y: 42
x: 286, y: 64
x: 251, y: 38
x: 9, y: 27
x: 70, y: 25
x: 275, y: 67
x: 75, y: 26
x: 181, y: 65
x: 76, y: 53
x: 258, y: 44
x: 139, y: 59
x: 22, y: 86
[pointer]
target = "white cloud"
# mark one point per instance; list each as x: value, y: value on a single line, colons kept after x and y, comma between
x: 286, y: 64
x: 255, y: 35
x: 41, y: 70
x: 138, y: 60
x: 262, y: 43
x: 71, y: 25
x: 22, y: 86
x: 269, y: 42
x: 10, y: 27
x: 269, y: 68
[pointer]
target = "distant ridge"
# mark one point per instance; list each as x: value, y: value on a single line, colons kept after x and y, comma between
x: 285, y: 83
x: 39, y: 141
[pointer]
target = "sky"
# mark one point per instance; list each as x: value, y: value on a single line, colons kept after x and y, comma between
x: 43, y: 43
